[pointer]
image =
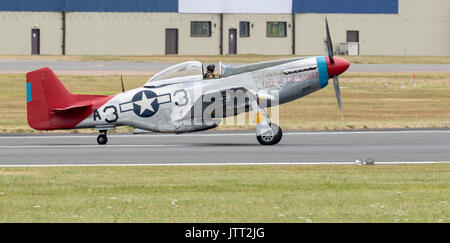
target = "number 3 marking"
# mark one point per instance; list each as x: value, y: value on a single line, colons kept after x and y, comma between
x: 181, y: 100
x: 114, y: 113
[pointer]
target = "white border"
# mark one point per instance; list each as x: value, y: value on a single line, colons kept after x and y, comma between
x: 235, y: 6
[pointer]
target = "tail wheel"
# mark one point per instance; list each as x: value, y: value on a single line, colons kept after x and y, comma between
x: 271, y: 140
x: 102, y: 139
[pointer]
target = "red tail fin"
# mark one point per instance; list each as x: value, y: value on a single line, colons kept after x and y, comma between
x: 51, y: 106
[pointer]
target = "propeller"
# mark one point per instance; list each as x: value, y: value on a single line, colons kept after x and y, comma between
x: 329, y: 43
x: 338, y: 92
x: 333, y: 64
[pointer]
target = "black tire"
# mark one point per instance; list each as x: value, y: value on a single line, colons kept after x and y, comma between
x: 271, y: 140
x: 102, y: 139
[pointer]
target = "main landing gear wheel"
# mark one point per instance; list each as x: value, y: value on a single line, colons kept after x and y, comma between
x: 271, y: 140
x: 102, y: 139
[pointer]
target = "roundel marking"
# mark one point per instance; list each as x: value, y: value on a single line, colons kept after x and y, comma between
x: 145, y: 103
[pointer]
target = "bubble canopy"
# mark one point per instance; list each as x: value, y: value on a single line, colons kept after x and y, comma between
x: 186, y: 71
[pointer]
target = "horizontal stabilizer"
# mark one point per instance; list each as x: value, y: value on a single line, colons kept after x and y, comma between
x: 72, y: 108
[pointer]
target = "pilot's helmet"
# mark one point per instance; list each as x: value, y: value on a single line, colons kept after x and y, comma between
x: 211, y: 67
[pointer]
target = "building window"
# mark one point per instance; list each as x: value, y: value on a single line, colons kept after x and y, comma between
x: 352, y: 36
x: 244, y: 29
x: 201, y: 29
x: 276, y: 29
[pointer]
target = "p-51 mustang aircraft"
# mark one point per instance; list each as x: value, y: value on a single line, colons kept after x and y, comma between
x: 183, y: 99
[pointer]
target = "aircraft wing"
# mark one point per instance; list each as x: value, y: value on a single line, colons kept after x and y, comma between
x: 253, y: 95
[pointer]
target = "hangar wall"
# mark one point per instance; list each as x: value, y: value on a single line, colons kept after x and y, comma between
x: 15, y: 31
x: 420, y: 29
x: 258, y: 42
x: 104, y: 27
x: 95, y: 33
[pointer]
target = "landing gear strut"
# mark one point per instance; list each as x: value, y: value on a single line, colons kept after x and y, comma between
x: 267, y: 132
x: 271, y: 139
x: 102, y: 139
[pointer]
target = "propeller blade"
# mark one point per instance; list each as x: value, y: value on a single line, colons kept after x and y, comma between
x: 338, y: 92
x: 329, y: 43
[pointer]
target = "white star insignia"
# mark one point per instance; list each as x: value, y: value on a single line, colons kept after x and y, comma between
x: 145, y: 103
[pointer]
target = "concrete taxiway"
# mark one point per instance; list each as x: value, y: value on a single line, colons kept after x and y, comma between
x: 396, y: 146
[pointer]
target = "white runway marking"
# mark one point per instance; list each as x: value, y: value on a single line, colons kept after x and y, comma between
x: 227, y: 134
x: 226, y: 164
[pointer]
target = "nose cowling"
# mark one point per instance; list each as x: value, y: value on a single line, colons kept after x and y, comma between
x: 339, y: 66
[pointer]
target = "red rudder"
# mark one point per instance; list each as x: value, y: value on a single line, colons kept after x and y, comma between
x: 51, y: 106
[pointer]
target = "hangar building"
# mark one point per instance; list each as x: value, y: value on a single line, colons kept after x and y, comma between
x: 215, y: 27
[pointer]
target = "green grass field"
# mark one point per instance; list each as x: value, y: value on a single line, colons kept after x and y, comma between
x: 380, y: 193
x: 370, y: 101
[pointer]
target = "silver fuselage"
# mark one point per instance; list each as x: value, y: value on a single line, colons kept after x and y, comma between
x: 178, y: 105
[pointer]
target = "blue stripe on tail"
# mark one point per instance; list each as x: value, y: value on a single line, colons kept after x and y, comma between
x: 28, y: 92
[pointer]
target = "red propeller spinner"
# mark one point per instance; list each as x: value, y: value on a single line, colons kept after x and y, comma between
x: 339, y: 66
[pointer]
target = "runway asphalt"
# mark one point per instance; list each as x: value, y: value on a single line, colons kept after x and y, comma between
x: 227, y: 148
x: 150, y: 68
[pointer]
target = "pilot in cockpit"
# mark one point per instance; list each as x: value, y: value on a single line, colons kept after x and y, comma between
x: 210, y: 71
